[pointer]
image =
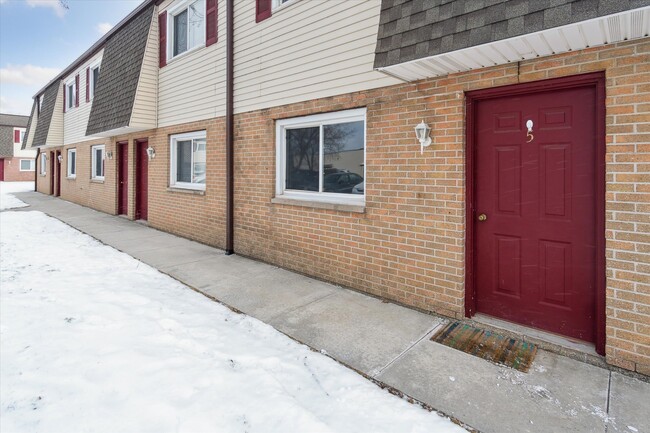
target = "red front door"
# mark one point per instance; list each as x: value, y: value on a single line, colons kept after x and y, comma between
x: 58, y: 173
x: 123, y: 179
x: 52, y: 158
x: 535, y: 210
x: 142, y: 180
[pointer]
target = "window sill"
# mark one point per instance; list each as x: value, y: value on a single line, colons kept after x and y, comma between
x: 186, y: 190
x: 185, y: 53
x: 317, y: 204
x: 97, y: 180
x: 71, y: 177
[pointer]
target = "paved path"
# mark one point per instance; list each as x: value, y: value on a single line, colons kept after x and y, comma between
x: 385, y: 341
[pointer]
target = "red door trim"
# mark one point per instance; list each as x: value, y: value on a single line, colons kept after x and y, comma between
x: 596, y: 80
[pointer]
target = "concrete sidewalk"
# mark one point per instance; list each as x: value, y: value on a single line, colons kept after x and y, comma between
x: 385, y: 341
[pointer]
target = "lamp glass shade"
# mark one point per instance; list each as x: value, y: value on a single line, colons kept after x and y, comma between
x: 422, y: 131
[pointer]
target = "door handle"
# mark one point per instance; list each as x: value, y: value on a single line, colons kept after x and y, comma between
x: 482, y: 217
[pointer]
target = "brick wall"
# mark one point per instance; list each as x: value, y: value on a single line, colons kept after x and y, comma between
x: 408, y: 246
x: 12, y: 171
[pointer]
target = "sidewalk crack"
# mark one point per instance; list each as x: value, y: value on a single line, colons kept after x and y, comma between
x: 394, y: 360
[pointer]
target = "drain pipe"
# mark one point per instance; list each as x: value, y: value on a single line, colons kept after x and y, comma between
x: 230, y: 139
x: 38, y: 153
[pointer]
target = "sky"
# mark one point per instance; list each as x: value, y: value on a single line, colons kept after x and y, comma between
x: 39, y: 38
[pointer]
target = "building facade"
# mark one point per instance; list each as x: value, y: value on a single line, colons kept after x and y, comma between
x: 16, y: 164
x: 529, y: 204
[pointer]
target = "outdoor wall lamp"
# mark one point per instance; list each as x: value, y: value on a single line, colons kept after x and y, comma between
x: 60, y: 158
x: 109, y: 154
x: 422, y: 133
x: 151, y: 153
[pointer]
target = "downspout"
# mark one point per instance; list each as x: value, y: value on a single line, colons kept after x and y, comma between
x: 38, y: 153
x: 230, y: 190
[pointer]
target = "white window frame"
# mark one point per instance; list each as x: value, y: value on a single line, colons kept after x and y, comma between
x: 70, y: 102
x: 43, y: 164
x: 281, y: 126
x: 22, y: 135
x: 277, y: 4
x: 69, y: 173
x: 40, y: 103
x: 32, y: 164
x: 91, y: 77
x: 93, y: 156
x: 173, y: 139
x: 171, y: 13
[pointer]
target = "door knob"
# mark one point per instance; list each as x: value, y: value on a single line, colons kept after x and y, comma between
x: 482, y: 217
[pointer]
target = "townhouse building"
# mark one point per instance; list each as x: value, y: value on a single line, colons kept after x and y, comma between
x: 483, y: 159
x: 16, y: 164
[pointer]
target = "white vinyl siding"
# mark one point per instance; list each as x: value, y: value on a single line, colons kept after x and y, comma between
x: 193, y: 86
x: 76, y: 120
x: 32, y: 128
x: 305, y: 50
x: 55, y: 133
x: 145, y: 108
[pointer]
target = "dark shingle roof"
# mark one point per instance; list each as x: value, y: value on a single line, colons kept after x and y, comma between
x: 45, y: 117
x: 413, y: 29
x: 6, y: 141
x: 14, y: 120
x: 119, y: 74
x: 29, y: 126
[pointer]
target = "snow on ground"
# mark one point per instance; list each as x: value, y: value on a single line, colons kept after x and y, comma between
x: 8, y: 201
x: 93, y: 340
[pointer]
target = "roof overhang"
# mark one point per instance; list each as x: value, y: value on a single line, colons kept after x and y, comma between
x: 119, y: 131
x: 624, y: 26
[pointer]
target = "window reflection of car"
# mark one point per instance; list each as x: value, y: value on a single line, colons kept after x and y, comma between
x: 303, y: 180
x: 359, y: 188
x: 341, y: 183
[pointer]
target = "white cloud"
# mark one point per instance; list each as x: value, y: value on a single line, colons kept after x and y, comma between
x: 58, y: 7
x: 103, y: 28
x: 15, y: 106
x: 27, y: 75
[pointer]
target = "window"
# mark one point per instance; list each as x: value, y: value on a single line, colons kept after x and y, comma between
x: 22, y: 136
x: 322, y: 157
x: 93, y: 76
x: 26, y: 165
x: 43, y: 163
x: 278, y: 3
x: 186, y: 27
x: 72, y: 163
x: 40, y: 104
x: 97, y: 162
x: 188, y: 160
x: 70, y: 95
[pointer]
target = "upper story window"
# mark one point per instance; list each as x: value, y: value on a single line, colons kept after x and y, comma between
x: 188, y: 160
x: 71, y: 94
x: 19, y: 135
x: 186, y: 27
x: 322, y: 157
x: 93, y: 77
x: 40, y: 104
x: 278, y: 3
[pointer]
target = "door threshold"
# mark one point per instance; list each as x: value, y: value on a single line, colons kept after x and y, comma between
x: 566, y: 346
x: 143, y: 222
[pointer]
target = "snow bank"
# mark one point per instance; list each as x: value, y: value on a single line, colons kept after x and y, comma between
x: 8, y: 201
x: 93, y: 340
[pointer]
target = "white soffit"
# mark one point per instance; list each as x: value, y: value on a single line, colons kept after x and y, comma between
x: 624, y: 26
